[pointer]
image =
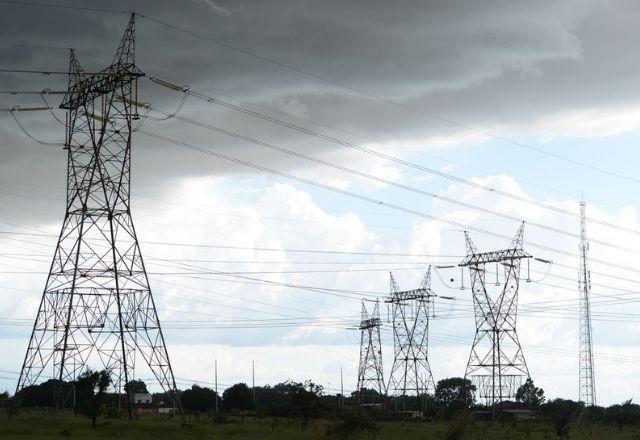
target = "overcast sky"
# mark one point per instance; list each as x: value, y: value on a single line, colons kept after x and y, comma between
x: 536, y: 99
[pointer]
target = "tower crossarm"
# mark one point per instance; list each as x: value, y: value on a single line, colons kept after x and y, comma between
x: 410, y: 295
x: 370, y: 323
x: 93, y: 86
x: 494, y: 257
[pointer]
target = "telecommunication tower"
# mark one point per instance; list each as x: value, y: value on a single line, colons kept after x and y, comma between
x: 97, y: 310
x: 496, y: 364
x: 410, y: 312
x: 587, y: 387
x: 370, y: 377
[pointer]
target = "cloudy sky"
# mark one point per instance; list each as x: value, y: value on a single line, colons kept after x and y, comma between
x: 503, y: 110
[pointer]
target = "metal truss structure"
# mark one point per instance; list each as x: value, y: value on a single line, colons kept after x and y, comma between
x: 586, y: 384
x: 410, y: 311
x: 370, y: 376
x: 496, y: 364
x: 97, y: 310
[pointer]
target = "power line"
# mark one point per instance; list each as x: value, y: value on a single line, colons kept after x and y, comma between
x: 388, y: 101
x: 186, y: 89
x: 42, y: 72
x: 392, y: 183
x: 395, y: 184
x: 60, y: 6
x: 332, y: 82
x: 365, y: 198
x: 257, y: 248
x: 211, y: 99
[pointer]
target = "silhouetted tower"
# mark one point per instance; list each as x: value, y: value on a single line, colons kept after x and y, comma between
x: 97, y: 310
x: 410, y: 312
x: 496, y: 364
x: 370, y: 375
x: 587, y: 387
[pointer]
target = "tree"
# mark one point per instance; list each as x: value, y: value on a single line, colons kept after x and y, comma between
x: 291, y: 398
x: 239, y: 396
x: 91, y: 393
x: 455, y: 392
x: 43, y: 394
x: 367, y: 395
x: 561, y: 412
x: 304, y: 397
x: 7, y: 403
x: 135, y: 386
x: 529, y: 394
x: 623, y: 414
x: 198, y: 398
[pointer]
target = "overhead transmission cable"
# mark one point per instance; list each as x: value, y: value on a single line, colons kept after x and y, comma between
x: 389, y: 182
x: 61, y: 6
x: 389, y: 101
x: 420, y: 151
x: 188, y: 91
x: 364, y: 198
x: 322, y: 79
x: 16, y: 109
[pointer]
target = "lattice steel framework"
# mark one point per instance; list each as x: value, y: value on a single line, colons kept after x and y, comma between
x: 370, y: 375
x: 496, y: 364
x: 97, y: 310
x: 586, y: 384
x: 410, y: 312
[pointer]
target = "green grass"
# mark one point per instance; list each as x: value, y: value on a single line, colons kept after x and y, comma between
x: 40, y: 425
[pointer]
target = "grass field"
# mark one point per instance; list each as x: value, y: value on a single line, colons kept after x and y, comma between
x: 40, y: 425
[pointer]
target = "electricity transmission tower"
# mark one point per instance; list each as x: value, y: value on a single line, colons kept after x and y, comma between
x: 411, y: 373
x: 587, y: 387
x: 370, y: 376
x: 496, y: 364
x: 97, y: 309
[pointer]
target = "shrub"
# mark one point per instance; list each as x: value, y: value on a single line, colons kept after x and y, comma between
x: 351, y: 423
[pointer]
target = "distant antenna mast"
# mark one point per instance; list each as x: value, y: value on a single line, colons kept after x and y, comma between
x: 587, y: 387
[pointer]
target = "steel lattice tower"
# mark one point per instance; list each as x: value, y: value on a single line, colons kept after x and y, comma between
x: 496, y: 364
x: 370, y: 375
x: 586, y: 386
x: 410, y: 311
x: 97, y: 309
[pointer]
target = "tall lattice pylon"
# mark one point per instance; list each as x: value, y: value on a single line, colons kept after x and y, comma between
x: 410, y: 313
x: 586, y: 384
x: 496, y: 364
x: 370, y: 376
x: 97, y: 310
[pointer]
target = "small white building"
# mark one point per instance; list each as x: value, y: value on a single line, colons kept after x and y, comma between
x: 142, y: 398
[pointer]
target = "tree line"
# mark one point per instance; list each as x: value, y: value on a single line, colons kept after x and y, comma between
x: 453, y: 397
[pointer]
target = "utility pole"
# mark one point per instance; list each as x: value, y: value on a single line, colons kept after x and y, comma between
x: 341, y: 390
x: 496, y: 363
x: 215, y: 380
x: 586, y: 384
x: 97, y: 308
x: 411, y: 373
x: 253, y: 385
x: 370, y: 375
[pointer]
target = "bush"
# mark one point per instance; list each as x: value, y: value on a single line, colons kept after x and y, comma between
x: 561, y: 412
x: 459, y: 425
x: 351, y: 423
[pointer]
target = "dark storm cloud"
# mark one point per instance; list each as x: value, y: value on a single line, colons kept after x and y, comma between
x: 487, y: 64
